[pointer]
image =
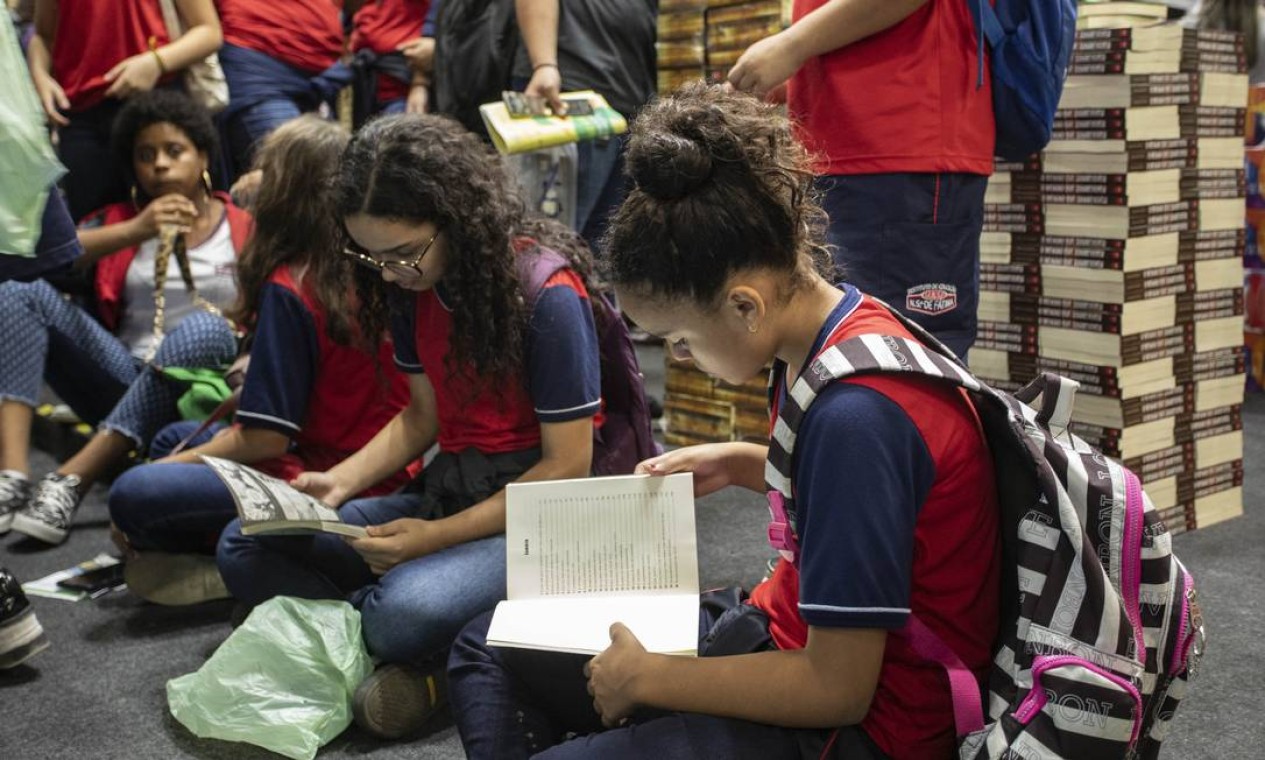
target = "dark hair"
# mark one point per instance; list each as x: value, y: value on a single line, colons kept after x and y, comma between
x: 294, y: 224
x: 720, y: 185
x: 419, y: 169
x: 1233, y: 16
x: 156, y: 107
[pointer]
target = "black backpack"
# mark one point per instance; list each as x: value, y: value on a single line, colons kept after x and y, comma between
x: 625, y: 437
x: 475, y: 44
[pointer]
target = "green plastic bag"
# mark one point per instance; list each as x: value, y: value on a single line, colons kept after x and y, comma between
x: 283, y: 680
x: 28, y: 166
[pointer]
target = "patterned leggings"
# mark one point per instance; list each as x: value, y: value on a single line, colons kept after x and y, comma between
x: 45, y: 337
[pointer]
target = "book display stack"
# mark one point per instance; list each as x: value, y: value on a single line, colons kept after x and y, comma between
x: 700, y: 409
x: 1114, y: 258
x: 1253, y: 262
x: 679, y: 48
x: 703, y: 39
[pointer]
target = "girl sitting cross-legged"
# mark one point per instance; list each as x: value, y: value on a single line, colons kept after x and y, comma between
x: 318, y: 387
x: 506, y: 382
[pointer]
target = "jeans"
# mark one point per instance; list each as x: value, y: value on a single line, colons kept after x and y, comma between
x: 913, y: 241
x: 602, y: 186
x: 48, y: 338
x: 94, y: 176
x: 511, y: 704
x: 410, y: 614
x: 178, y: 508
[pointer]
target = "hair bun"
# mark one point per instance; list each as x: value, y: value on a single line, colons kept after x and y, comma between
x: 668, y: 166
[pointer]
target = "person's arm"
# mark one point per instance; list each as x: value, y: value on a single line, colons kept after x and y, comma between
x: 714, y: 466
x: 201, y: 37
x: 97, y: 242
x: 538, y: 25
x: 39, y: 58
x: 406, y: 437
x: 768, y: 63
x: 828, y: 683
x: 566, y: 452
x: 247, y: 445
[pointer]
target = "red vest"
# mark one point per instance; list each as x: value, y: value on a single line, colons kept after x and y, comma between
x: 353, y: 397
x: 111, y: 271
x: 955, y: 565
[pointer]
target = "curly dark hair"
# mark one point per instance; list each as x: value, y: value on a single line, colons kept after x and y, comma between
x: 721, y: 185
x: 295, y: 225
x: 157, y: 107
x: 418, y: 169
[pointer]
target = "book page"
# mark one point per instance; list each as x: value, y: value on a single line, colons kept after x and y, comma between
x: 601, y: 536
x: 663, y: 624
x: 263, y: 498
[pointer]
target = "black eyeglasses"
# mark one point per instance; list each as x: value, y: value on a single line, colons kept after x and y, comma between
x: 399, y: 267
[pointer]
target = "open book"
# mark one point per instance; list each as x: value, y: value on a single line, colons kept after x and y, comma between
x: 522, y: 135
x: 268, y: 505
x: 583, y: 554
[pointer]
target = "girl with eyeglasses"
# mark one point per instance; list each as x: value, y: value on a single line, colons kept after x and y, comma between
x: 504, y: 380
x: 318, y: 388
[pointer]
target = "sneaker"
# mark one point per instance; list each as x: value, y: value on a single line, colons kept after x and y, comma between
x: 174, y: 580
x: 14, y: 494
x: 395, y: 701
x: 21, y: 636
x: 51, y: 509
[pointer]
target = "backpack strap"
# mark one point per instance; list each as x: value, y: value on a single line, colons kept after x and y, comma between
x: 968, y: 705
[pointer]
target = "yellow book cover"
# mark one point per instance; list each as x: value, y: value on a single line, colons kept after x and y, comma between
x: 522, y: 135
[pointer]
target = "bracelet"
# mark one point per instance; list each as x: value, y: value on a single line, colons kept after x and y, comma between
x: 539, y: 66
x: 162, y: 67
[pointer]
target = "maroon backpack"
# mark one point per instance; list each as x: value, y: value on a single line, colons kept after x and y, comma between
x: 625, y: 438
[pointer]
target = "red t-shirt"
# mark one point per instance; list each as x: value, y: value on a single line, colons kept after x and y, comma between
x: 952, y: 585
x: 307, y: 34
x: 382, y: 25
x: 94, y: 35
x: 902, y: 100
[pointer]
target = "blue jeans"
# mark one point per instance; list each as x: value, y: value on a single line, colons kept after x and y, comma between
x: 179, y: 508
x: 913, y: 241
x: 45, y: 337
x: 602, y: 186
x: 511, y: 704
x: 410, y: 614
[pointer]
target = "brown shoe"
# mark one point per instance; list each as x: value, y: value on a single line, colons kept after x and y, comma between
x: 395, y: 701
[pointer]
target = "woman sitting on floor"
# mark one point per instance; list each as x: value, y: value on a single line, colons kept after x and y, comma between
x: 105, y: 370
x: 317, y: 389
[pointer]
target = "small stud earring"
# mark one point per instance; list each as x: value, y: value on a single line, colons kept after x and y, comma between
x: 753, y: 328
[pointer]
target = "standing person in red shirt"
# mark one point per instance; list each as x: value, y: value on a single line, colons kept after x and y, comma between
x: 716, y: 250
x: 86, y: 57
x: 388, y: 79
x: 892, y: 102
x: 281, y: 59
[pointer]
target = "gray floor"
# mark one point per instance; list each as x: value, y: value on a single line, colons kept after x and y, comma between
x: 98, y: 692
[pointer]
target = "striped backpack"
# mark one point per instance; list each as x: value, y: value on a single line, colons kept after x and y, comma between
x: 1099, y: 627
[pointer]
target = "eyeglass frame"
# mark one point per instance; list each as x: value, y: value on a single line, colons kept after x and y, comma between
x: 413, y: 266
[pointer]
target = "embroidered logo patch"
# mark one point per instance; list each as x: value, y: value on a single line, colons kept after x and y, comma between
x: 932, y: 298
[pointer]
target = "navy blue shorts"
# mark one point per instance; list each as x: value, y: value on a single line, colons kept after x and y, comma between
x: 913, y: 241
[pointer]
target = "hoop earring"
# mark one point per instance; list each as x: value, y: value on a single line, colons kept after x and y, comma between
x: 206, y: 182
x: 135, y: 202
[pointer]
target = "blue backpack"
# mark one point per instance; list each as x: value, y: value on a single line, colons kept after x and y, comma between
x: 1031, y: 44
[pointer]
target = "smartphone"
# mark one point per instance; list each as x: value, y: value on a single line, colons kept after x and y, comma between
x: 578, y: 106
x: 95, y: 580
x: 521, y: 106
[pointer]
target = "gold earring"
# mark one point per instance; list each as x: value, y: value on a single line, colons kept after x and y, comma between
x: 135, y: 202
x: 206, y: 182
x: 753, y: 328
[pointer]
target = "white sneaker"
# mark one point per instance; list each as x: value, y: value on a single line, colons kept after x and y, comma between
x: 14, y: 494
x: 50, y: 510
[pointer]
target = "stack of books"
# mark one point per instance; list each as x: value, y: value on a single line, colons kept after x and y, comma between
x: 1114, y: 258
x: 1110, y: 14
x: 730, y: 28
x: 700, y: 409
x: 1253, y: 262
x: 679, y: 48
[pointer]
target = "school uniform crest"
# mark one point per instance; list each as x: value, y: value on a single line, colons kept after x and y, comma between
x: 932, y: 298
